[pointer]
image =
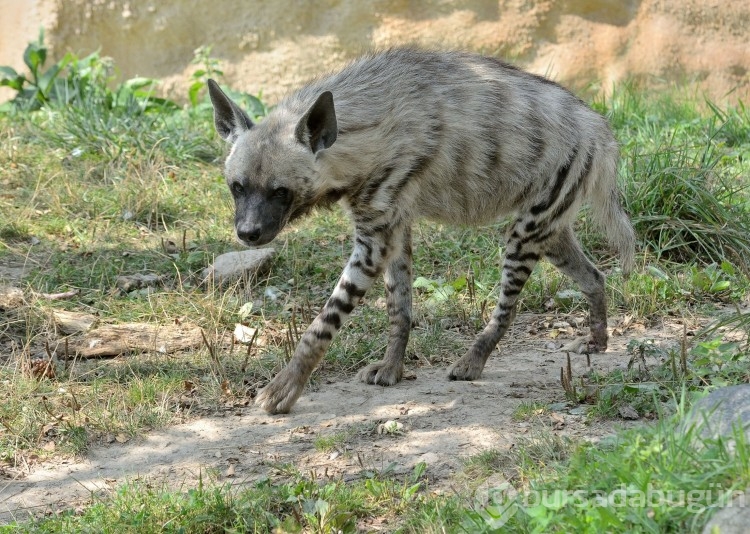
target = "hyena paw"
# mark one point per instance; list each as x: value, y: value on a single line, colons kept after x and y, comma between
x: 467, y: 368
x: 598, y: 340
x: 381, y: 373
x: 281, y: 393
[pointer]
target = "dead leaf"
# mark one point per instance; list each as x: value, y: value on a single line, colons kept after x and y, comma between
x: 225, y: 389
x: 121, y: 438
x: 49, y: 446
x: 170, y: 247
x: 42, y: 369
x: 391, y: 427
x: 558, y: 421
x: 244, y: 334
x: 230, y: 471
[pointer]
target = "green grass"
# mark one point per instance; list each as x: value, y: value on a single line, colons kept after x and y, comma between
x: 127, y: 184
x: 652, y: 479
x: 299, y: 505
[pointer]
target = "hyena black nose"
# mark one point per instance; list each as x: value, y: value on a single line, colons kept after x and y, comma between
x: 249, y: 235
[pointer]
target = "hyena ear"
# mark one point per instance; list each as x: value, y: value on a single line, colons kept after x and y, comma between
x: 318, y: 128
x: 230, y: 121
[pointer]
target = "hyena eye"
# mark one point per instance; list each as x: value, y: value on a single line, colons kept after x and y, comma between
x: 237, y: 188
x: 282, y: 193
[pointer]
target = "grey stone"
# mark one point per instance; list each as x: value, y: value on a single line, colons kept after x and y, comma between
x: 732, y: 519
x: 128, y: 283
x: 234, y: 266
x: 716, y: 414
x: 628, y: 412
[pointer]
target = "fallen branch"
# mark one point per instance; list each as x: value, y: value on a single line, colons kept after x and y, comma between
x: 60, y: 296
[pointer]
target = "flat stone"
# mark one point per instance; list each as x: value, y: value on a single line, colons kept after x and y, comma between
x: 239, y: 265
x: 73, y: 322
x: 131, y: 282
x: 733, y: 518
x: 11, y: 298
x: 716, y: 414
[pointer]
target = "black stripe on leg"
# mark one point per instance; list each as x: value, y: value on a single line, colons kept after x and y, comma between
x: 371, y: 273
x: 352, y: 289
x: 342, y: 305
x: 516, y: 256
x: 324, y: 334
x: 511, y: 291
x: 332, y: 318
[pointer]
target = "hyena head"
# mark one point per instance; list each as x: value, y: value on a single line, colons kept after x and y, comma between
x: 272, y: 168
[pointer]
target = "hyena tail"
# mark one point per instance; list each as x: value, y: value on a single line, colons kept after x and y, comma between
x: 608, y: 212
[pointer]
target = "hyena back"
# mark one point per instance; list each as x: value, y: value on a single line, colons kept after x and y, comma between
x: 449, y: 136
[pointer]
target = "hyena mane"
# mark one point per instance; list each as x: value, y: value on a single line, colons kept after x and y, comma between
x: 407, y: 134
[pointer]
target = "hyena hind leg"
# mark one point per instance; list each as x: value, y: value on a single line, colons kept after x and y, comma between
x: 523, y: 254
x: 397, y: 277
x: 564, y: 252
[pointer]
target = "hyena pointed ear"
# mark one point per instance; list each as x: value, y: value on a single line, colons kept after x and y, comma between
x: 318, y: 128
x: 230, y: 121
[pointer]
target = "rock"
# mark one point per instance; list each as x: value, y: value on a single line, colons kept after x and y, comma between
x: 131, y: 282
x: 73, y: 322
x: 234, y: 266
x: 733, y: 518
x: 628, y: 412
x: 716, y: 414
x: 11, y: 297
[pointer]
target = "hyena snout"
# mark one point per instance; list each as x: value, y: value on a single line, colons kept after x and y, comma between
x: 249, y: 233
x: 258, y: 225
x: 255, y: 235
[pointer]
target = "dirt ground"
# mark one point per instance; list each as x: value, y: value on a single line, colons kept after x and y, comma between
x: 443, y: 422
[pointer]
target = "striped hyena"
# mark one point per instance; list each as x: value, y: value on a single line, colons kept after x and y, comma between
x: 450, y: 136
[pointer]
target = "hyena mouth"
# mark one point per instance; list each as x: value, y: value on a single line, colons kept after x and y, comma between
x: 251, y: 240
x: 257, y: 235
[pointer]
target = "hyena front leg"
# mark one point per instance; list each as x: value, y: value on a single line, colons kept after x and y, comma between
x: 523, y: 253
x: 370, y: 255
x: 564, y: 252
x: 390, y: 369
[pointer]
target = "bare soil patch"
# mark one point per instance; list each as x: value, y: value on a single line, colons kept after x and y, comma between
x: 442, y: 423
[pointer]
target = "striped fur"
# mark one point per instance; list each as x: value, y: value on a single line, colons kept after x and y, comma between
x: 449, y: 136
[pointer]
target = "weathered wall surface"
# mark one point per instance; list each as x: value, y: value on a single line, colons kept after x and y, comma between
x: 272, y: 45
